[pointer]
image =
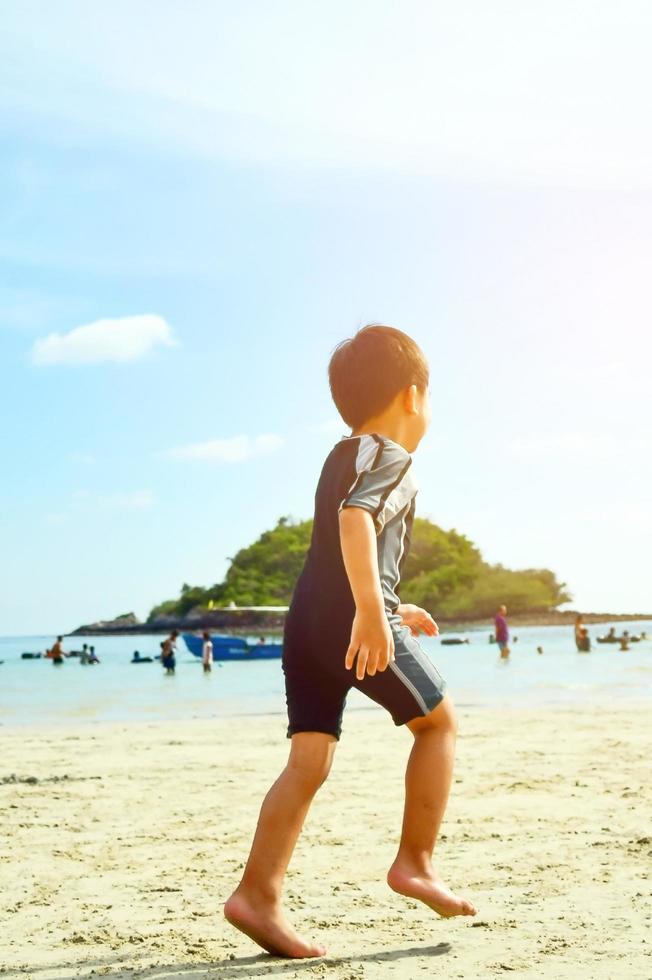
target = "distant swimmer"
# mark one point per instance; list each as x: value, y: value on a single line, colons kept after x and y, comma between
x: 583, y: 640
x: 57, y: 653
x: 137, y: 659
x: 502, y: 632
x: 207, y: 652
x: 624, y: 641
x: 84, y: 655
x: 92, y: 656
x: 579, y: 626
x: 539, y: 649
x: 168, y: 648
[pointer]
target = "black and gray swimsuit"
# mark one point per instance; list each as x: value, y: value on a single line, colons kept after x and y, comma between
x: 373, y: 473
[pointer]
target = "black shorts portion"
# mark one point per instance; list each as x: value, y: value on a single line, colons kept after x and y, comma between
x: 317, y: 682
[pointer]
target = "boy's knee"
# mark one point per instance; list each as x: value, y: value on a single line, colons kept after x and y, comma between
x: 312, y: 774
x: 443, y: 718
x: 311, y: 758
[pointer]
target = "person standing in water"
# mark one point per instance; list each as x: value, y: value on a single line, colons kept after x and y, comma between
x: 502, y: 632
x: 57, y: 653
x: 168, y: 648
x: 207, y: 652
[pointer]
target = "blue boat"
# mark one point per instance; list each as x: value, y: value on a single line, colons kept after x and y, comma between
x: 234, y: 648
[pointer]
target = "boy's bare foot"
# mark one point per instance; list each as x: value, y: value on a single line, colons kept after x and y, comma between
x: 427, y: 888
x: 267, y: 926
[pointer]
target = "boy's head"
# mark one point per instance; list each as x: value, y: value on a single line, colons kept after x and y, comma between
x: 377, y: 371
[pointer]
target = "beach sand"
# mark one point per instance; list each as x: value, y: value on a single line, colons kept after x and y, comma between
x: 122, y: 852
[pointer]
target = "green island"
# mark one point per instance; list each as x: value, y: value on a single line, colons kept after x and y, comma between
x: 444, y: 572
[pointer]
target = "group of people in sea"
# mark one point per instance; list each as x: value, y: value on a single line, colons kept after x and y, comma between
x: 501, y: 636
x: 583, y: 640
x: 167, y: 655
x: 57, y: 654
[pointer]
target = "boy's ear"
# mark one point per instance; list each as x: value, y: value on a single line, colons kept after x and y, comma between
x: 410, y: 400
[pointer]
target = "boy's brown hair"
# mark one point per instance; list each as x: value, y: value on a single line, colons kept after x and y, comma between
x: 368, y: 371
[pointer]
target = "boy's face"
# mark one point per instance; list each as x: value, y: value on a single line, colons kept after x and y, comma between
x: 420, y: 417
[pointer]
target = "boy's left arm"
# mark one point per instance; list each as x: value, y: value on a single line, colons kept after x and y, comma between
x: 417, y: 619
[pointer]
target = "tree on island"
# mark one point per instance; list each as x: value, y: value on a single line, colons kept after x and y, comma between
x: 444, y: 572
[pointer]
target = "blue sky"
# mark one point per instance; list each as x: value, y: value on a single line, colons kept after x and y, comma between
x: 235, y: 188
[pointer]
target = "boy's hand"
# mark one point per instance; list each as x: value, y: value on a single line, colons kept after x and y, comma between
x: 371, y: 642
x: 417, y: 620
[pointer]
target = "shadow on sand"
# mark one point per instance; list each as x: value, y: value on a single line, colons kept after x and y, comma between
x: 242, y: 966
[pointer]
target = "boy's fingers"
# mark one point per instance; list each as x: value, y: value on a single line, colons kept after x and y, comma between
x: 372, y: 662
x: 361, y: 665
x: 350, y: 655
x: 384, y: 659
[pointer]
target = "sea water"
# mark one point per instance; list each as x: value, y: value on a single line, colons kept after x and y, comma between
x: 36, y: 692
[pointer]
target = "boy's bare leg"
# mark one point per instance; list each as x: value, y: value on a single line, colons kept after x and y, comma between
x: 255, y: 905
x: 427, y: 785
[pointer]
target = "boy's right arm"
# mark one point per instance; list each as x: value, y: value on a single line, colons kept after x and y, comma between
x: 371, y: 636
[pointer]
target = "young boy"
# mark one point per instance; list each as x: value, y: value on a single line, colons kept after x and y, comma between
x: 347, y: 628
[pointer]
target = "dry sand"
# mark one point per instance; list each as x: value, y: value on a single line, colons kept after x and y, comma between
x: 118, y: 858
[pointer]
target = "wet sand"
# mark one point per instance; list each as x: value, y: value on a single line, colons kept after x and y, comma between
x: 122, y: 851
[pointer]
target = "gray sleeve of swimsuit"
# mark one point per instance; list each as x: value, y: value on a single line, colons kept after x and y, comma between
x: 383, y: 485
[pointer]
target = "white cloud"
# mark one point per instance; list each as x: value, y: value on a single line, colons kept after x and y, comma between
x: 233, y: 450
x: 123, y: 339
x: 131, y: 500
